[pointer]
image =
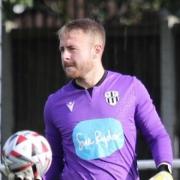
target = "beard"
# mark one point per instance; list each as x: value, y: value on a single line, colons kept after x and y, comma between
x: 71, y: 72
x: 75, y: 71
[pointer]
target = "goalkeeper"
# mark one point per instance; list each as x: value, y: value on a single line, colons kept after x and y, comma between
x: 92, y: 122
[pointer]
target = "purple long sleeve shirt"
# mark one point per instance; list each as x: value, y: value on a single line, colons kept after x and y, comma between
x: 93, y: 135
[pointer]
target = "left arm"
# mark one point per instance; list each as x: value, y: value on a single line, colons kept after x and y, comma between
x: 149, y: 122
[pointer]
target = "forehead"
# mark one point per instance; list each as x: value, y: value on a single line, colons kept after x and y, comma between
x: 74, y: 35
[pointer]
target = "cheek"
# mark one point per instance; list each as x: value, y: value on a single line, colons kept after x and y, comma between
x: 88, y: 54
x: 88, y: 64
x: 61, y: 61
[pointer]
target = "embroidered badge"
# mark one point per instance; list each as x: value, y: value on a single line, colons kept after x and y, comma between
x: 112, y: 97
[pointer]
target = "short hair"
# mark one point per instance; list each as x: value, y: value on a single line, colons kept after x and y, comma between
x: 87, y: 25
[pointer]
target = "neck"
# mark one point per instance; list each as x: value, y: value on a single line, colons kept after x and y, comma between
x: 91, y: 79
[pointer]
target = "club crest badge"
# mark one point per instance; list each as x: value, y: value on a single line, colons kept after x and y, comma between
x: 112, y: 97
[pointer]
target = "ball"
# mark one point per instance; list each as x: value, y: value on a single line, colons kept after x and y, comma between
x: 27, y: 149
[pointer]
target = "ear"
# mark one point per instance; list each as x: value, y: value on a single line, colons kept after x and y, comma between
x: 98, y: 49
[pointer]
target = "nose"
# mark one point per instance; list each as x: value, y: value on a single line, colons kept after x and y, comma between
x: 65, y: 55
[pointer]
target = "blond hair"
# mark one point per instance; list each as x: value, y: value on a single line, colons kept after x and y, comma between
x: 86, y: 25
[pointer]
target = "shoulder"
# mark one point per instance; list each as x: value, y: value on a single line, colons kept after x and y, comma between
x: 125, y: 82
x: 60, y: 93
x: 122, y: 78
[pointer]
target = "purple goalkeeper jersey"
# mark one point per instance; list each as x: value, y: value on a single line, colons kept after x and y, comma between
x: 93, y: 135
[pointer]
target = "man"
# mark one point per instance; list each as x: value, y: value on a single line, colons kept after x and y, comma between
x: 91, y: 123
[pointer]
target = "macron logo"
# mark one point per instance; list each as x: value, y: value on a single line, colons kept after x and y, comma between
x: 70, y: 105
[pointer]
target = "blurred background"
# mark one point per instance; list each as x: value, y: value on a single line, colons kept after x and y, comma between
x: 143, y: 39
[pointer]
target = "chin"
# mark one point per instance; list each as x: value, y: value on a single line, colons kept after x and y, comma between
x: 71, y: 75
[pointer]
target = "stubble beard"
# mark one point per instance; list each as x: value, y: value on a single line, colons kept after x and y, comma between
x: 71, y: 73
x: 77, y: 73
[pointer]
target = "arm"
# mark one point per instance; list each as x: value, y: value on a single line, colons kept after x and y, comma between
x: 150, y: 124
x: 54, y: 138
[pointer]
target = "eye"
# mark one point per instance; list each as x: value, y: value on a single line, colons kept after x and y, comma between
x: 71, y: 48
x: 61, y: 49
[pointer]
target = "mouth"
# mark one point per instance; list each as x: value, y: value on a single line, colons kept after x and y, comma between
x: 68, y: 64
x: 69, y: 68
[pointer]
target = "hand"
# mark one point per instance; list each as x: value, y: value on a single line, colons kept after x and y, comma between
x: 163, y: 175
x: 26, y: 174
x: 21, y: 177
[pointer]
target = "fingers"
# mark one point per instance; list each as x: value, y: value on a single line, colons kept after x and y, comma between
x: 38, y: 178
x: 26, y: 178
x: 18, y: 178
x: 27, y: 174
x: 4, y: 170
x: 21, y: 177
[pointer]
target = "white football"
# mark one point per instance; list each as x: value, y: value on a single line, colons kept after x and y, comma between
x: 26, y: 149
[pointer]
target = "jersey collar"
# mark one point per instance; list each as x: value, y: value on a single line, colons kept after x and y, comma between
x: 97, y: 84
